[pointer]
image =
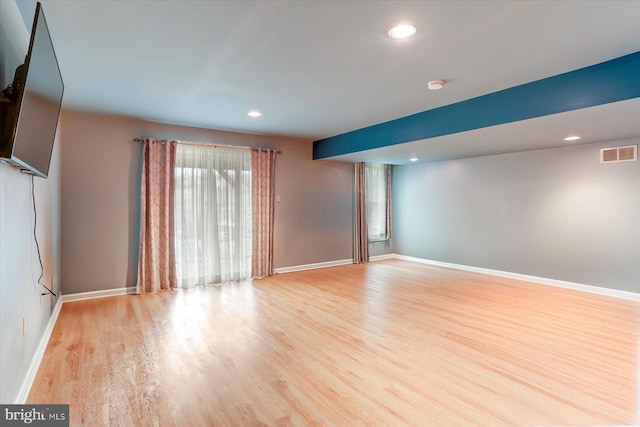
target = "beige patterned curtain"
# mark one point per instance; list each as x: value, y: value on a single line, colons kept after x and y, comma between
x: 263, y: 163
x: 156, y: 261
x: 360, y: 231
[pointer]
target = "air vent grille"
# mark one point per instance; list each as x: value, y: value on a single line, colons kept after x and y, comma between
x: 628, y: 153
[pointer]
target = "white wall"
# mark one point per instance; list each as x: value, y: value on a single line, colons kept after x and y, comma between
x: 19, y: 266
x: 555, y: 213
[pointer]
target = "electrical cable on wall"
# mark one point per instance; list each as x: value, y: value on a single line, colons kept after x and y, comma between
x: 35, y: 238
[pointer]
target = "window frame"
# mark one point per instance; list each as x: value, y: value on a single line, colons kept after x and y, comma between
x: 379, y: 180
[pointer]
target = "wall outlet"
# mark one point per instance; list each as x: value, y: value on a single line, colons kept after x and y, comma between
x: 24, y: 326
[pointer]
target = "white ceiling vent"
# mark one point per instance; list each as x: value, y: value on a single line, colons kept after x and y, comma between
x: 628, y: 153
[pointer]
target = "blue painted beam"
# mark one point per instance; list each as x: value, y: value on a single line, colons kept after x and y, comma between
x: 610, y: 81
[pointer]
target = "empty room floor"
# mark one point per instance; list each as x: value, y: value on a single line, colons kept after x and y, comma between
x: 389, y: 343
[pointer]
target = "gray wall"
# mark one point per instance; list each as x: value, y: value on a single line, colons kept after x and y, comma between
x: 554, y: 213
x: 19, y: 267
x: 100, y: 202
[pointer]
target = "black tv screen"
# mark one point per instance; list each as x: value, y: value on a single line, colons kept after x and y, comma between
x: 33, y: 109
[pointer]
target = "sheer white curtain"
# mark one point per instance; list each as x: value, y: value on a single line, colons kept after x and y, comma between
x: 213, y: 220
x: 376, y: 200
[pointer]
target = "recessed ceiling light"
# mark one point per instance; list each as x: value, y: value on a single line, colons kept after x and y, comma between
x: 254, y: 113
x: 572, y: 138
x: 435, y: 84
x: 402, y: 31
x: 413, y: 159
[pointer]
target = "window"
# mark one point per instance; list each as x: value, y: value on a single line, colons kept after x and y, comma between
x: 376, y: 201
x: 213, y: 221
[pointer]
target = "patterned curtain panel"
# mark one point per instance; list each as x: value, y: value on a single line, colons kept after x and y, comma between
x: 156, y: 261
x: 360, y: 229
x: 263, y: 163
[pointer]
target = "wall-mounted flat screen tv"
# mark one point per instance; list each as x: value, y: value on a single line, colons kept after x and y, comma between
x: 31, y: 105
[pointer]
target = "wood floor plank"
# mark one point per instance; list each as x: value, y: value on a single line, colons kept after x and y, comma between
x: 388, y: 343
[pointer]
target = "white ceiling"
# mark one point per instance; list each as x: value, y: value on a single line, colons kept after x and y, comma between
x: 316, y: 69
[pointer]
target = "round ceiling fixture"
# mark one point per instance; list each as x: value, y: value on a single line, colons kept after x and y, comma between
x: 435, y: 84
x: 402, y: 31
x: 413, y: 159
x: 573, y: 138
x: 254, y: 113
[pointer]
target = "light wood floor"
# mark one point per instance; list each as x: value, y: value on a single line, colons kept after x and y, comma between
x: 390, y: 343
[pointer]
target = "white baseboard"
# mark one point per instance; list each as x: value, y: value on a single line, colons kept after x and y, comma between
x: 37, y: 356
x: 541, y: 280
x: 327, y: 264
x: 382, y: 257
x: 312, y: 266
x: 98, y: 294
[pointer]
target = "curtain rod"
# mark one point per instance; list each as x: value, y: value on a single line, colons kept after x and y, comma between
x: 232, y: 147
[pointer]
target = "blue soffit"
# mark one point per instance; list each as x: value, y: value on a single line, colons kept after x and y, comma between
x: 610, y: 81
